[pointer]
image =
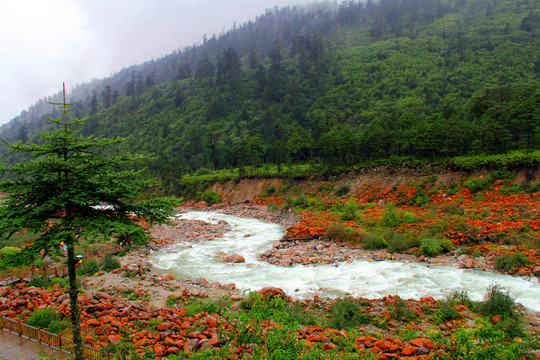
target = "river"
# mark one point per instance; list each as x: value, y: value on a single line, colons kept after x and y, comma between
x: 368, y: 279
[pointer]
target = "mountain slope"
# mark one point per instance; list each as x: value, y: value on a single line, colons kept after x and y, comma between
x: 336, y: 86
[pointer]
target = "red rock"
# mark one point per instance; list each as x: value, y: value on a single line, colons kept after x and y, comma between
x: 273, y: 292
x: 173, y: 350
x: 329, y: 346
x: 423, y: 342
x: 496, y: 319
x: 4, y: 291
x: 235, y: 258
x: 164, y: 326
x: 89, y: 339
x: 114, y: 339
x: 191, y: 345
x: 159, y: 350
x: 409, y: 350
x: 211, y: 321
x: 168, y: 277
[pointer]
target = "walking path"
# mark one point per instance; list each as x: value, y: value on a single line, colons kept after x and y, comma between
x: 16, y: 347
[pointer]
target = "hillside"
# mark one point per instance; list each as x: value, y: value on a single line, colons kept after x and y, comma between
x: 331, y: 87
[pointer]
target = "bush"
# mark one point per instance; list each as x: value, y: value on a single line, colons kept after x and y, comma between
x: 47, y: 319
x: 447, y: 311
x: 347, y: 314
x: 89, y: 267
x: 373, y: 242
x: 40, y: 282
x: 9, y: 251
x: 342, y: 190
x: 340, y: 232
x: 110, y: 263
x: 511, y: 261
x: 432, y: 247
x: 453, y: 209
x: 499, y: 302
x: 401, y: 311
x: 211, y: 197
x: 476, y: 185
x: 269, y: 191
x: 396, y: 241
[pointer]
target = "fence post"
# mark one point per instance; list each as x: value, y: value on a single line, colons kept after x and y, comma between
x: 20, y: 327
x: 59, y: 341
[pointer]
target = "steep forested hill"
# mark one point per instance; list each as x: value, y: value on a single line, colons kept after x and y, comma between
x: 330, y: 84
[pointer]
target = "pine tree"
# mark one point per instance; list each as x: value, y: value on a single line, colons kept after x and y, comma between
x: 70, y: 192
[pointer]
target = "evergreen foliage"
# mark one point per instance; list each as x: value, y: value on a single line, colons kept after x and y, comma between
x: 60, y: 193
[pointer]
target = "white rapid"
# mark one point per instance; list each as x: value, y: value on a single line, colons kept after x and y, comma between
x: 358, y: 278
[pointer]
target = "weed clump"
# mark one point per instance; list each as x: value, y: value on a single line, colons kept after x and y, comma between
x: 110, y: 263
x: 374, y: 242
x: 48, y: 320
x: 347, y: 314
x: 432, y: 247
x: 499, y: 302
x: 511, y: 261
x: 211, y: 197
x: 341, y: 232
x: 342, y: 190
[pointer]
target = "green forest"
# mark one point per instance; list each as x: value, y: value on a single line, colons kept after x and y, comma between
x: 333, y: 86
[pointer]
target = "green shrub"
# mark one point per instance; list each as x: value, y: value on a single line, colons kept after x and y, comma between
x: 396, y: 241
x: 272, y: 206
x: 47, y: 319
x: 89, y: 267
x: 348, y: 210
x: 300, y: 201
x: 391, y: 216
x: 347, y: 314
x: 40, y: 282
x: 401, y: 311
x: 211, y: 197
x: 499, y: 302
x: 453, y: 209
x: 342, y: 190
x: 510, y: 261
x: 479, y: 184
x: 63, y: 282
x: 373, y: 242
x: 447, y: 311
x: 341, y: 232
x: 325, y: 188
x: 432, y: 247
x: 269, y: 191
x: 9, y: 251
x: 110, y: 263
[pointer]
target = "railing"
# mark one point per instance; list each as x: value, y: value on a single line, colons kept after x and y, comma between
x: 52, y: 340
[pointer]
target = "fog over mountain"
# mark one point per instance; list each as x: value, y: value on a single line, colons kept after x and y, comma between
x: 43, y: 44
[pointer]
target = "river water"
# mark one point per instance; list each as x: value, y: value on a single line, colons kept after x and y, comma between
x: 357, y: 278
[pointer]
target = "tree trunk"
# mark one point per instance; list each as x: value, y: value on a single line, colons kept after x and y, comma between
x: 73, y: 302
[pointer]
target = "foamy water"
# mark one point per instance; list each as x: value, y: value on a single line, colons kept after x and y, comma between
x: 357, y: 278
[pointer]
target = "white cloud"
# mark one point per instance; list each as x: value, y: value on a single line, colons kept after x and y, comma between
x: 44, y: 43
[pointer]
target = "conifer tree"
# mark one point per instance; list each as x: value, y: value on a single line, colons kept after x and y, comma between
x: 70, y: 192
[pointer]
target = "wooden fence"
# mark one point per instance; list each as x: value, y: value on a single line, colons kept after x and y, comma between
x: 52, y: 340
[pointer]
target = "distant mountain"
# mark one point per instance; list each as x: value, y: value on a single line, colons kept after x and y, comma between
x: 328, y: 84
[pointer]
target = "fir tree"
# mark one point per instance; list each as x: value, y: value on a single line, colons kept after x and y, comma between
x: 69, y: 192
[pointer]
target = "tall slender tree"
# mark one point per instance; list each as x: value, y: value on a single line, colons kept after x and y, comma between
x: 70, y: 192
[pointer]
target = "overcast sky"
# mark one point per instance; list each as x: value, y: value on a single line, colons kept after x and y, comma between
x: 44, y: 43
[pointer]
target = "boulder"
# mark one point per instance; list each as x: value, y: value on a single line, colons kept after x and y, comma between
x: 235, y: 258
